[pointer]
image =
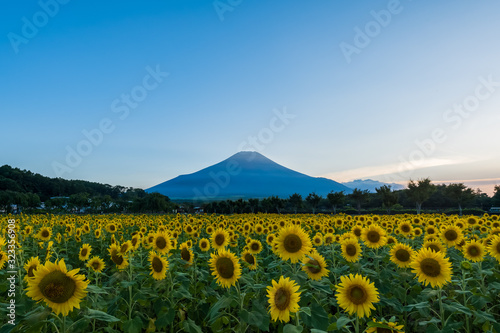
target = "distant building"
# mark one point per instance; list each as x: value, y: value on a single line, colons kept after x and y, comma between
x: 495, y: 210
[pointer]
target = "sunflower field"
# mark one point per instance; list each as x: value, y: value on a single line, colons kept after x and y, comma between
x: 249, y: 273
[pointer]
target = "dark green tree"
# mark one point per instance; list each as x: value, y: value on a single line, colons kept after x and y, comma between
x: 359, y: 197
x: 420, y: 192
x: 460, y: 194
x: 336, y: 199
x: 389, y: 198
x: 313, y: 200
x: 296, y: 202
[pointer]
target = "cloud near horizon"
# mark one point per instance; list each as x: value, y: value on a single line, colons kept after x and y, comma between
x: 395, y: 172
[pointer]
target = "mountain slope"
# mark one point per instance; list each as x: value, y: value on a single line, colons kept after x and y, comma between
x: 245, y: 175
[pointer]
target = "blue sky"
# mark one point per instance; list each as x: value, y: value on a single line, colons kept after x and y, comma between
x: 388, y: 90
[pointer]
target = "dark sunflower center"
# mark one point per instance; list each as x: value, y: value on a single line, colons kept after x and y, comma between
x: 157, y: 264
x: 405, y: 228
x: 30, y: 270
x: 402, y: 255
x: 161, y: 242
x: 351, y: 250
x: 84, y: 252
x: 124, y: 248
x: 95, y: 265
x: 219, y: 239
x: 203, y: 245
x: 313, y: 266
x: 357, y: 295
x: 328, y: 240
x: 189, y: 229
x: 255, y: 246
x: 185, y: 254
x: 430, y: 267
x: 249, y: 259
x: 292, y: 243
x: 225, y: 267
x: 357, y: 232
x: 434, y: 247
x: 473, y: 251
x: 471, y: 221
x: 282, y: 299
x: 57, y: 287
x: 45, y: 233
x: 384, y: 330
x: 390, y: 240
x: 317, y: 240
x: 112, y: 227
x: 373, y: 236
x: 117, y: 259
x: 451, y: 235
x: 134, y: 241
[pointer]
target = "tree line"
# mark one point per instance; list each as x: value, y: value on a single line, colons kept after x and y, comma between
x: 22, y: 190
x: 419, y: 195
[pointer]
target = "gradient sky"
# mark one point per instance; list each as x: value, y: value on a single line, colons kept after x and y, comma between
x: 233, y: 66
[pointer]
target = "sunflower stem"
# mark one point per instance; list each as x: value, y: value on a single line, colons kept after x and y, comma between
x: 63, y: 325
x: 441, y: 309
x: 356, y: 328
x: 464, y: 284
x: 481, y: 277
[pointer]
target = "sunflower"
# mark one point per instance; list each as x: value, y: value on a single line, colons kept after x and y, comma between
x: 494, y: 248
x: 31, y: 266
x: 434, y: 246
x: 136, y: 241
x: 111, y: 228
x: 431, y: 267
x: 225, y: 267
x: 315, y: 266
x: 374, y: 236
x: 159, y: 266
x: 270, y: 239
x: 405, y: 228
x: 284, y: 297
x: 44, y: 233
x: 249, y: 259
x: 96, y: 263
x: 317, y: 240
x: 390, y: 327
x: 204, y: 244
x: 254, y: 246
x: 351, y: 250
x: 356, y: 294
x: 59, y: 289
x: 474, y: 251
x: 84, y: 253
x: 451, y: 235
x: 120, y: 261
x: 161, y: 242
x: 3, y: 258
x: 329, y: 238
x: 220, y: 239
x: 293, y: 243
x: 401, y: 255
x: 186, y: 253
x: 125, y: 247
x: 356, y: 230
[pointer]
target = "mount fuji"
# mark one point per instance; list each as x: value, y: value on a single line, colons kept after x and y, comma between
x: 245, y: 175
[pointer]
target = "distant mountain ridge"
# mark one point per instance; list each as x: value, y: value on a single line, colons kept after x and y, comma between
x: 245, y: 175
x: 371, y: 185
